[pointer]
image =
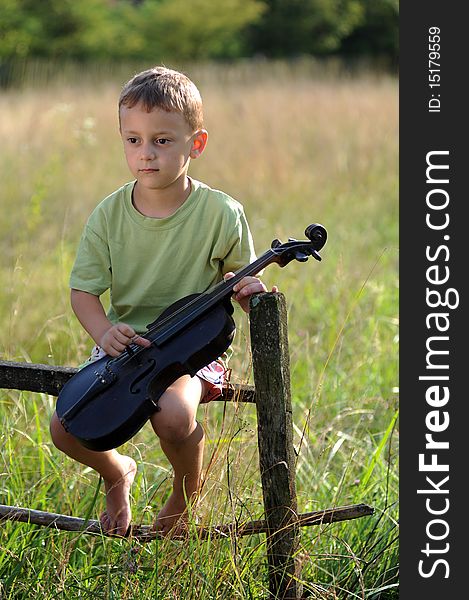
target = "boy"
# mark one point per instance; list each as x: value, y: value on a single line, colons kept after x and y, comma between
x: 159, y: 238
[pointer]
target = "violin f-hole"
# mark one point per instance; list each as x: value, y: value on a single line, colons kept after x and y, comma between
x: 148, y: 369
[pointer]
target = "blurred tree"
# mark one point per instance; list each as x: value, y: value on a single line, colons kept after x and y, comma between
x: 18, y: 29
x: 144, y: 29
x: 295, y: 27
x: 199, y: 29
x: 159, y: 30
x: 378, y: 33
x: 54, y: 28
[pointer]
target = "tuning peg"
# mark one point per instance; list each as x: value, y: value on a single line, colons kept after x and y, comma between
x: 316, y: 255
x: 275, y: 243
x: 301, y: 256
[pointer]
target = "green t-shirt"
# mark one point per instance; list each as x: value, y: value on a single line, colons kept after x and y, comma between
x: 149, y: 263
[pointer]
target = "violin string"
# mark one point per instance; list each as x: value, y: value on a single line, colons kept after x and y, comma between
x: 212, y: 295
x: 210, y: 298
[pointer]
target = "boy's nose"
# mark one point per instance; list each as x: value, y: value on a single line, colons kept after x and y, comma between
x: 148, y: 152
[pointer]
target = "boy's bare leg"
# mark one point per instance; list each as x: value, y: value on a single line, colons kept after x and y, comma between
x: 182, y: 441
x: 118, y: 472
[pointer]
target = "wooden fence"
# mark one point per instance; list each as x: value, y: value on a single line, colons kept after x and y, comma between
x: 271, y: 394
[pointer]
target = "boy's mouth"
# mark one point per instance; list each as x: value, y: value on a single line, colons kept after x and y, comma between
x: 148, y: 170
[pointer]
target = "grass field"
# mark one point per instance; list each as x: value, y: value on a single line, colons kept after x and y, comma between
x: 295, y: 146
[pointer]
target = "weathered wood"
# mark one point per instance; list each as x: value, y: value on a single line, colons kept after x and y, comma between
x: 34, y: 378
x: 145, y: 533
x: 271, y: 365
x: 50, y: 379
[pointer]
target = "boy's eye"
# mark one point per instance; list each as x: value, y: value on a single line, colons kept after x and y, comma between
x: 132, y: 140
x: 162, y: 141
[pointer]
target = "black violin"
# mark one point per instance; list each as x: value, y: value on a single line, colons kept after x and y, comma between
x: 104, y: 404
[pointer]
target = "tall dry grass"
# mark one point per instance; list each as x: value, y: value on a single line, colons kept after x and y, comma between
x: 295, y: 146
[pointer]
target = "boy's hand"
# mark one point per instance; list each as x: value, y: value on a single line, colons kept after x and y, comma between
x: 117, y: 337
x: 245, y: 288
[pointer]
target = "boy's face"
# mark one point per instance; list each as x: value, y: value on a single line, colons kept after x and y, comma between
x: 158, y: 146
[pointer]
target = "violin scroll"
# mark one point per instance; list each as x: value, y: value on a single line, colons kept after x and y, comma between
x: 317, y: 234
x: 300, y: 250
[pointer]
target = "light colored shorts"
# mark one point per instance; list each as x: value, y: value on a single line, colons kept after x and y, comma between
x: 214, y: 374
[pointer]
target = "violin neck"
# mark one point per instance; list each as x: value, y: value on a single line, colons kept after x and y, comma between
x: 225, y: 288
x: 218, y: 293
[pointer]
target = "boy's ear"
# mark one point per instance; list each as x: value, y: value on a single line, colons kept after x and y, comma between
x: 199, y: 141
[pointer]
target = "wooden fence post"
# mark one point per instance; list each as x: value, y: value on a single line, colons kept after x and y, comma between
x: 271, y: 365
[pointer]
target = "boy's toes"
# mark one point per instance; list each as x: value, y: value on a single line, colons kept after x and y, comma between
x: 106, y: 522
x: 121, y: 528
x: 163, y: 528
x: 114, y: 526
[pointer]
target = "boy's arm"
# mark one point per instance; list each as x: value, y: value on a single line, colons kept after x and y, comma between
x: 111, y: 338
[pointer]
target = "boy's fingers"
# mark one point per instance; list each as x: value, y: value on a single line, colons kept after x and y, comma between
x: 247, y: 281
x: 121, y: 337
x: 247, y: 289
x: 141, y: 341
x: 114, y: 348
x: 247, y: 286
x: 125, y: 330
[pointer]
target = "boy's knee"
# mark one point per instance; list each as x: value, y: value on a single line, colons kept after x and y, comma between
x: 176, y: 420
x: 173, y: 429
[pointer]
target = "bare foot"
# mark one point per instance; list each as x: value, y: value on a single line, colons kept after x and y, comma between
x: 116, y: 518
x: 172, y: 518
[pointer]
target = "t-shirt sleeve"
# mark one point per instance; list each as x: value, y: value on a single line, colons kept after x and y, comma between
x: 240, y: 246
x: 91, y: 271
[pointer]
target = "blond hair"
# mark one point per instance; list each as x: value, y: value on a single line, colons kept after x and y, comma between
x: 166, y: 89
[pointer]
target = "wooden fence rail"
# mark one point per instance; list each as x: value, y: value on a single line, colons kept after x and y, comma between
x: 49, y: 379
x: 145, y: 533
